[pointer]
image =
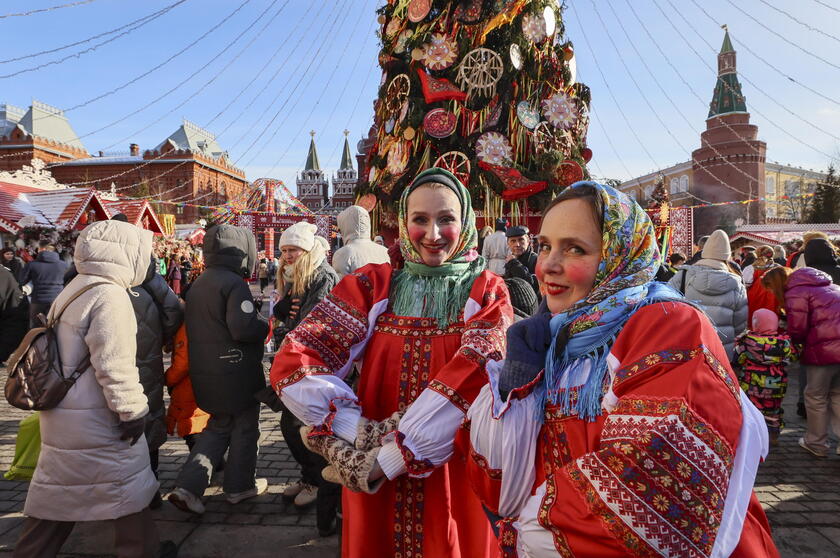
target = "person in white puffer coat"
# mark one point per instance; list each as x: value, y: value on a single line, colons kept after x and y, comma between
x: 358, y: 250
x: 94, y: 462
x: 717, y: 288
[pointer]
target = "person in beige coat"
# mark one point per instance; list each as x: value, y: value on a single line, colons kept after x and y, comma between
x: 358, y: 250
x: 91, y: 465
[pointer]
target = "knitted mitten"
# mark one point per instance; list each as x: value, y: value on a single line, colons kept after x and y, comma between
x: 348, y: 466
x: 369, y: 432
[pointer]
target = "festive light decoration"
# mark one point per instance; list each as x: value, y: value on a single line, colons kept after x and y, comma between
x: 488, y: 81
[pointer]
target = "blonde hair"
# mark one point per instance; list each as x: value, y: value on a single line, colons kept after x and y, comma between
x: 303, y: 270
x: 764, y: 255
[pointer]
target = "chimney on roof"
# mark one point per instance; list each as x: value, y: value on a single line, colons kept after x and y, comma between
x: 101, y: 153
x: 134, y: 149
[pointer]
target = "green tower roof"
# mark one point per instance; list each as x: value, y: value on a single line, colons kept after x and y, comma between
x: 346, y: 157
x: 727, y: 43
x: 312, y: 157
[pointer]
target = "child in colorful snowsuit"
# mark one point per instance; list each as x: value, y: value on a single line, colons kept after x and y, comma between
x: 183, y: 415
x: 764, y: 353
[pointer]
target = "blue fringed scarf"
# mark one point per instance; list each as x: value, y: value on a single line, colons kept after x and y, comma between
x: 623, y: 284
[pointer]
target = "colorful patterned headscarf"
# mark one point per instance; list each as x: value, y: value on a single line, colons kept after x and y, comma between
x: 437, y: 292
x: 623, y: 284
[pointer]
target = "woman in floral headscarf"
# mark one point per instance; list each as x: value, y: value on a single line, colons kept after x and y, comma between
x: 421, y: 338
x: 615, y: 426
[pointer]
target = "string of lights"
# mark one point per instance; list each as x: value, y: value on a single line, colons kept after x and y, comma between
x: 260, y: 71
x: 192, y: 96
x: 799, y: 21
x: 310, y: 67
x: 294, y: 137
x: 290, y: 56
x: 782, y: 37
x: 93, y: 48
x: 703, y: 60
x: 610, y: 91
x: 89, y: 39
x: 50, y: 9
x: 158, y: 66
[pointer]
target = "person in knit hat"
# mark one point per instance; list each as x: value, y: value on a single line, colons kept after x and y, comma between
x: 716, y: 286
x: 304, y: 279
x: 522, y: 297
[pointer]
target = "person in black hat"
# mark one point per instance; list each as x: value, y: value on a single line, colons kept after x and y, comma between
x: 522, y: 261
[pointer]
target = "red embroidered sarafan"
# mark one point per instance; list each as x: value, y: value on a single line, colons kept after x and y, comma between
x: 650, y: 476
x: 433, y: 517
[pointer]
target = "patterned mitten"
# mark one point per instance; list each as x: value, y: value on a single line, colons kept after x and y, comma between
x: 369, y: 432
x: 348, y: 466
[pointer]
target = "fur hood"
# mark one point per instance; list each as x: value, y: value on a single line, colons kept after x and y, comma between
x: 116, y: 251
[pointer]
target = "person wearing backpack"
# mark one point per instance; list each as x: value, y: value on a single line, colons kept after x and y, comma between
x: 94, y: 462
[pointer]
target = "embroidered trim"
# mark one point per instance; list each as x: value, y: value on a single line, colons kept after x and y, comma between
x: 326, y: 429
x: 299, y: 374
x: 330, y: 330
x: 415, y: 467
x: 450, y: 394
x: 508, y: 537
x: 481, y: 461
x: 660, y: 483
x: 677, y: 356
x: 409, y: 504
x: 407, y: 326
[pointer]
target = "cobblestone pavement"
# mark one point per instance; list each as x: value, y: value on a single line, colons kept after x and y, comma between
x: 801, y: 494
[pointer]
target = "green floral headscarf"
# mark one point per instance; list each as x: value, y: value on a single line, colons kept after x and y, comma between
x: 439, y: 292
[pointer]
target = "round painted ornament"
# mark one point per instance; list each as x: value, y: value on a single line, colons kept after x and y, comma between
x: 533, y: 27
x: 568, y: 173
x: 418, y: 10
x: 550, y: 21
x: 586, y: 153
x: 516, y: 56
x: 493, y: 148
x: 527, y: 115
x: 440, y: 123
x: 397, y: 93
x: 440, y: 52
x: 560, y: 110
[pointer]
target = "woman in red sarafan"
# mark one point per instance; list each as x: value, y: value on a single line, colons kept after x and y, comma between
x: 615, y: 426
x: 421, y: 338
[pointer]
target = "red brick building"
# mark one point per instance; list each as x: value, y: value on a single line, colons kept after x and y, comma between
x: 188, y: 166
x: 42, y: 132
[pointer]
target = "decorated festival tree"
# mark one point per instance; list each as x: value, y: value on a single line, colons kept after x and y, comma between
x: 485, y: 89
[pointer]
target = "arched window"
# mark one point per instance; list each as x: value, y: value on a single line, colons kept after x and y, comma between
x: 675, y: 185
x: 684, y: 183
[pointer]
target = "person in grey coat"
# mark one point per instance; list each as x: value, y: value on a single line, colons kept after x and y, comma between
x: 718, y: 290
x: 226, y: 344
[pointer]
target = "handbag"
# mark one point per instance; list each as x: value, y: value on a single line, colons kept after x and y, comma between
x: 36, y: 380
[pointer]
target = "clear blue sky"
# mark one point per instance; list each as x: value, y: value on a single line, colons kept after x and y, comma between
x: 320, y: 73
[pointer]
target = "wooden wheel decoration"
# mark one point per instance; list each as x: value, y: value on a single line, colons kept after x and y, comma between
x: 480, y: 70
x: 457, y: 163
x: 397, y: 93
x: 544, y: 138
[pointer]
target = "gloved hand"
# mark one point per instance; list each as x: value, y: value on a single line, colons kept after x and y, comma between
x: 348, y: 466
x: 369, y: 432
x: 528, y: 341
x: 132, y: 429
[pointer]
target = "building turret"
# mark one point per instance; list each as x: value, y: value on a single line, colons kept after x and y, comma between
x: 312, y: 185
x: 345, y: 180
x: 730, y: 164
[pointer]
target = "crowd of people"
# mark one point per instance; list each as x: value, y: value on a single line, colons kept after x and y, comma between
x: 460, y: 393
